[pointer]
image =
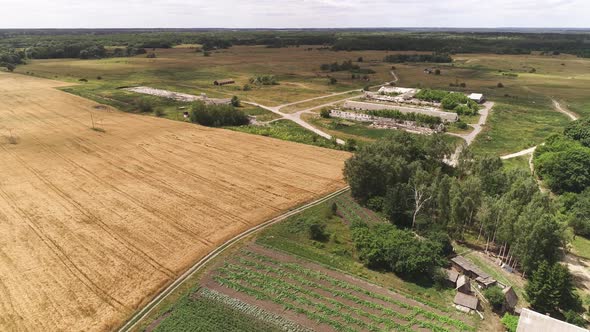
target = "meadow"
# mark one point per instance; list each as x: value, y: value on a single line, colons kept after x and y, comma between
x: 101, y: 209
x: 523, y: 115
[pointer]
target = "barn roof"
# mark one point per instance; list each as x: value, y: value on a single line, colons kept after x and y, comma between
x: 452, y: 275
x: 467, y: 301
x: 462, y: 281
x: 468, y: 266
x: 532, y: 321
x: 510, y: 296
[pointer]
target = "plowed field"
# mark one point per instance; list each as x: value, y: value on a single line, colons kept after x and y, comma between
x: 95, y: 222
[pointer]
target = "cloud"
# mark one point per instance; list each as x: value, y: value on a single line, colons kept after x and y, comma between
x: 294, y: 13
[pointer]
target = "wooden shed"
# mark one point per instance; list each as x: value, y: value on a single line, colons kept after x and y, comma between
x: 466, y: 302
x: 510, y: 297
x: 463, y: 285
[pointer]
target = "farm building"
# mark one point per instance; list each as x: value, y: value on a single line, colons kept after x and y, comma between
x: 452, y: 276
x: 395, y: 89
x: 465, y: 302
x: 464, y: 266
x: 223, y: 82
x: 510, y: 297
x: 477, y: 97
x: 359, y: 105
x: 463, y: 285
x: 532, y: 321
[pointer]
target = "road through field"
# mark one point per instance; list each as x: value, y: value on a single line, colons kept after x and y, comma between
x: 94, y: 223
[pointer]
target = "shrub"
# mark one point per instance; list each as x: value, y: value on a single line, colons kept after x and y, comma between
x: 316, y: 230
x: 350, y: 145
x: 431, y: 95
x: 83, y: 80
x: 158, y: 112
x: 235, y: 101
x: 461, y: 125
x: 144, y: 105
x: 217, y: 115
x: 495, y: 296
x: 247, y: 87
x: 99, y: 78
x: 510, y: 322
x: 437, y: 72
x: 500, y: 85
x: 151, y: 55
x: 333, y: 81
x: 573, y: 317
x: 264, y: 80
x: 325, y: 113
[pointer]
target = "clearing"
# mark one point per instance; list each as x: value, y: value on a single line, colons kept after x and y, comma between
x: 95, y: 222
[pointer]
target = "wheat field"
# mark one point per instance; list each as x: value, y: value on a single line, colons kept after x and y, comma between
x: 94, y: 222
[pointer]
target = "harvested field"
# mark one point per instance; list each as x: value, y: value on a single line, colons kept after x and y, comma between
x: 94, y: 222
x: 325, y: 300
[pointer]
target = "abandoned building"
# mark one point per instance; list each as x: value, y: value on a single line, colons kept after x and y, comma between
x: 477, y: 97
x: 466, y: 302
x: 223, y: 82
x: 464, y: 266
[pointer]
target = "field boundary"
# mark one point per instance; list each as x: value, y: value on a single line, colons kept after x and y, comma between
x: 147, y: 309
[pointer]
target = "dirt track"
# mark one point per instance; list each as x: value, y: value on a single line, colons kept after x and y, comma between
x: 93, y: 223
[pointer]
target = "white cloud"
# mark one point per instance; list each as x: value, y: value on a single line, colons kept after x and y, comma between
x: 293, y: 13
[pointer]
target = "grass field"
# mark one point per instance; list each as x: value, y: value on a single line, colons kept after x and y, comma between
x: 523, y: 115
x: 95, y: 222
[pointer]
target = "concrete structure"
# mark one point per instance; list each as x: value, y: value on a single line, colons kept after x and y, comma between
x: 359, y: 105
x: 386, y: 123
x: 466, y: 302
x: 532, y: 321
x: 477, y: 97
x: 397, y: 90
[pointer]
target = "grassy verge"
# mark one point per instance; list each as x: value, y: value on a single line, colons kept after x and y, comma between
x: 581, y: 247
x: 288, y: 131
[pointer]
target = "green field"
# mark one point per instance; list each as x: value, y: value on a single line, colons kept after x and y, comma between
x: 289, y: 272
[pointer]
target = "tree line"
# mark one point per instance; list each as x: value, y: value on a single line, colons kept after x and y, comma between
x: 434, y: 57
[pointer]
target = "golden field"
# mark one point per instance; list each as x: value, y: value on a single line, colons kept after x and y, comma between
x: 93, y: 223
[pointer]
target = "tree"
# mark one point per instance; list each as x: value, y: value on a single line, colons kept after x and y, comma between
x: 11, y: 67
x: 333, y: 80
x: 235, y: 101
x: 496, y: 297
x: 422, y: 192
x: 578, y: 215
x: 437, y: 71
x: 360, y: 59
x: 325, y: 113
x: 551, y: 289
x: 500, y: 85
x: 579, y: 130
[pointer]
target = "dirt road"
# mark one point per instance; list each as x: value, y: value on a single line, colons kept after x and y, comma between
x: 95, y: 222
x: 477, y: 128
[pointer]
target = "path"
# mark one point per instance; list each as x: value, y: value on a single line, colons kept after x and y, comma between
x: 469, y: 138
x: 557, y: 106
x: 146, y: 310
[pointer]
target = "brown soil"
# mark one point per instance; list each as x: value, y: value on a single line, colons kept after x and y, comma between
x: 95, y: 223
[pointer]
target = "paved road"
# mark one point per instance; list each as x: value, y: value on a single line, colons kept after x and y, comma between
x: 143, y: 313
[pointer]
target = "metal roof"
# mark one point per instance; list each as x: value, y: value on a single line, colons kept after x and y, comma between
x: 532, y: 321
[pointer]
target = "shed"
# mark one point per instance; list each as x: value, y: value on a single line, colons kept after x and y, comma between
x: 485, y: 282
x: 532, y: 321
x: 452, y: 276
x: 510, y: 297
x: 223, y: 82
x: 469, y: 269
x: 463, y: 284
x: 477, y: 97
x: 466, y: 301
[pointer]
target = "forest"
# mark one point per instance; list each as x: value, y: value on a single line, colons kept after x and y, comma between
x: 16, y: 45
x: 406, y: 179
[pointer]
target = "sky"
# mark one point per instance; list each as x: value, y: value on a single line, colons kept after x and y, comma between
x: 293, y: 13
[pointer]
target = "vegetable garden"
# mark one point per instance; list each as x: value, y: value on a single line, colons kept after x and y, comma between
x: 325, y: 297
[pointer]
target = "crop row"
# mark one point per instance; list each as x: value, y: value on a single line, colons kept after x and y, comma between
x: 303, y: 296
x: 345, y: 285
x: 352, y: 211
x: 253, y: 311
x: 411, y: 319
